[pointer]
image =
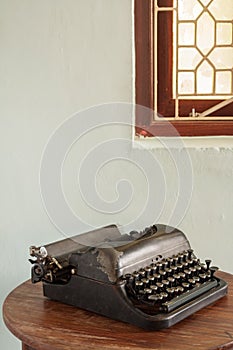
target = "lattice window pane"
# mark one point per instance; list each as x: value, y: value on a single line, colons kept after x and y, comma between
x: 204, y: 76
x: 203, y: 49
x: 221, y: 9
x: 188, y: 58
x: 223, y: 82
x: 189, y: 10
x: 186, y: 83
x: 186, y: 36
x: 222, y: 57
x: 224, y: 33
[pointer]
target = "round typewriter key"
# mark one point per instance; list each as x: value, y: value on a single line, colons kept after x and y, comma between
x: 196, y: 278
x: 153, y: 297
x: 171, y: 280
x: 135, y: 275
x: 160, y: 296
x: 189, y: 262
x: 192, y: 281
x: 202, y: 266
x: 152, y: 265
x: 185, y: 264
x: 128, y: 276
x: 180, y: 258
x: 154, y: 268
x: 148, y: 271
x: 196, y: 260
x: 157, y: 276
x: 186, y: 285
x: 187, y: 272
x: 193, y: 270
x: 147, y: 291
x: 142, y: 272
x: 159, y: 285
x: 138, y: 285
x: 182, y: 275
x: 154, y: 288
x: 177, y: 277
x: 145, y: 281
x: 171, y: 292
x: 179, y: 267
x: 159, y: 265
x: 198, y: 268
x: 174, y: 268
x: 178, y: 290
x: 168, y: 270
x: 166, y: 283
x: 162, y: 273
x: 203, y: 277
x: 151, y: 279
x: 165, y: 295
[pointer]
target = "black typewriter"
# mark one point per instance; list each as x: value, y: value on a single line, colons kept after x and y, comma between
x: 151, y: 279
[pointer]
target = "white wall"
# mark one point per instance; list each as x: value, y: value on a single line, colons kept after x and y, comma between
x: 58, y: 57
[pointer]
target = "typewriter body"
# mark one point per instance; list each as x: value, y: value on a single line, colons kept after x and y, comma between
x: 151, y: 279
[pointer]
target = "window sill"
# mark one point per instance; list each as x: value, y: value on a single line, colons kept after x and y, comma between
x: 214, y: 142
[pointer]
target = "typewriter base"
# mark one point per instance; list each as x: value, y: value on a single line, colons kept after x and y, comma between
x: 111, y: 300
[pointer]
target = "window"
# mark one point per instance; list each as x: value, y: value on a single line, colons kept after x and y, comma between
x: 184, y: 66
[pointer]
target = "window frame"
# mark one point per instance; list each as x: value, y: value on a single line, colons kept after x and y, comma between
x: 144, y: 83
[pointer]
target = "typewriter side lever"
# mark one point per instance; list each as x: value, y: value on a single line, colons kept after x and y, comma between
x: 47, y: 268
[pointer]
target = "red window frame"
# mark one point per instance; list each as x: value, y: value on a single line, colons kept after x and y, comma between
x: 144, y: 84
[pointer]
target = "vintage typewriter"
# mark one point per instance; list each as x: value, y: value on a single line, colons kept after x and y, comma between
x: 151, y: 279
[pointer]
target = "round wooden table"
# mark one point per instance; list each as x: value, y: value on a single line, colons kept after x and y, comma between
x: 43, y: 324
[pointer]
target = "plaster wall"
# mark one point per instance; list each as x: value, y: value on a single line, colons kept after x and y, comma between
x: 58, y: 58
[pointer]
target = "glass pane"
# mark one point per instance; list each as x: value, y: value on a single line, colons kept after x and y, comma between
x: 188, y: 58
x: 205, y: 33
x: 188, y: 9
x: 223, y: 82
x: 222, y: 9
x: 224, y: 33
x: 205, y: 75
x: 186, y: 34
x: 186, y: 83
x: 222, y: 57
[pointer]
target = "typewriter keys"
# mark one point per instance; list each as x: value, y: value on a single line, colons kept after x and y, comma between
x: 177, y: 280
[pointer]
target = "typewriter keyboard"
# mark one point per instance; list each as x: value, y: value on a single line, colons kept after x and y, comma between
x: 170, y: 283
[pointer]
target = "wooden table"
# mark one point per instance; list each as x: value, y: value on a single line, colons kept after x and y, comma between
x: 43, y: 324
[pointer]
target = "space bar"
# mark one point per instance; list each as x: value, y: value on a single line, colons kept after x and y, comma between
x: 169, y: 306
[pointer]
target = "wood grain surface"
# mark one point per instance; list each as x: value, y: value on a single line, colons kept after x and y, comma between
x: 42, y: 324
